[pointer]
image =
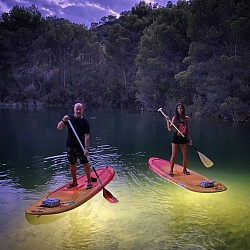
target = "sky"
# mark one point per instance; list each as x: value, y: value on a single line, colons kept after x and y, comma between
x: 78, y: 11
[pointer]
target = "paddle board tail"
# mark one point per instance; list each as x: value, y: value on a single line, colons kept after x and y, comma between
x: 73, y: 197
x: 194, y: 182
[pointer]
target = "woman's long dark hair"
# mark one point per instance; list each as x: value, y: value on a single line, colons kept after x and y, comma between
x: 177, y: 115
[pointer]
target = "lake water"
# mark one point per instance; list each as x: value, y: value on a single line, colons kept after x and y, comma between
x: 152, y: 213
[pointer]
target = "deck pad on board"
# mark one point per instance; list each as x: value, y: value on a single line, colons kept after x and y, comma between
x: 190, y: 182
x: 72, y: 197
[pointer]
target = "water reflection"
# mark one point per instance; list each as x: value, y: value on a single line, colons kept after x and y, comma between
x: 152, y: 213
x: 43, y: 219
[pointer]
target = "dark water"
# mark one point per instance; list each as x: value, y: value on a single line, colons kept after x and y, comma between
x: 152, y: 213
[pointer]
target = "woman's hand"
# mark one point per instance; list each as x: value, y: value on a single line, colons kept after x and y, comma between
x: 168, y: 123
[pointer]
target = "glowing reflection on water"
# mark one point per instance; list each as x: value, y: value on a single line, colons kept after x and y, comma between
x: 152, y: 213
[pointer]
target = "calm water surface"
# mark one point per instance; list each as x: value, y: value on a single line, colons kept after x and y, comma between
x: 152, y: 213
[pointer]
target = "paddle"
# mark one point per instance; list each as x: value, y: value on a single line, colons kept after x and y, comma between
x: 207, y: 162
x: 106, y: 194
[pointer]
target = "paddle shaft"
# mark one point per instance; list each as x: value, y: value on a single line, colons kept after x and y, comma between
x: 106, y: 194
x: 84, y: 150
x: 160, y: 110
x: 207, y: 162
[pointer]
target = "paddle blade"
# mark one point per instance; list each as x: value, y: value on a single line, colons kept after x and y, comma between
x: 108, y: 196
x: 207, y: 162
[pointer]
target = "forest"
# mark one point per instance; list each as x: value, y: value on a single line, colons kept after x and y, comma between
x: 196, y: 52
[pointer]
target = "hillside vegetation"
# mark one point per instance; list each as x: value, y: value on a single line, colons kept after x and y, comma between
x: 196, y: 52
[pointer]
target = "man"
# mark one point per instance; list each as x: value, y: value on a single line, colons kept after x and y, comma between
x: 74, y: 150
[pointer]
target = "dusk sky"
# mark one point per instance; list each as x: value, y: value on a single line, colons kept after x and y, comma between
x: 77, y: 11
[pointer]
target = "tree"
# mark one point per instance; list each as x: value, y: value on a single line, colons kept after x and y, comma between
x: 162, y: 49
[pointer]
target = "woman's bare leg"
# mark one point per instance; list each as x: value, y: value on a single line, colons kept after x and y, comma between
x: 173, y: 156
x: 184, y: 150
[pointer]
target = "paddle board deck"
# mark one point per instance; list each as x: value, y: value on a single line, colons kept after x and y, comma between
x: 190, y: 182
x: 72, y: 197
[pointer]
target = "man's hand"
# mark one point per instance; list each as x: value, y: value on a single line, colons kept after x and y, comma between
x: 65, y: 118
x: 86, y: 152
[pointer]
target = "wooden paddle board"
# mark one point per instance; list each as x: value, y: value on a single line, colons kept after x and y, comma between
x: 72, y: 197
x: 190, y: 182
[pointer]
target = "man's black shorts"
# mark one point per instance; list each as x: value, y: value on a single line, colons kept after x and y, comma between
x: 74, y: 153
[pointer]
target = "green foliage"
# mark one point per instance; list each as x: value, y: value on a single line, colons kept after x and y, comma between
x: 195, y: 51
x: 233, y: 108
x: 161, y: 52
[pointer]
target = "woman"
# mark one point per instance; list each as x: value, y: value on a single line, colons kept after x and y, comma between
x: 180, y: 120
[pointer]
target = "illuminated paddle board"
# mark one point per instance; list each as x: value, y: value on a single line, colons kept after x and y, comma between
x: 190, y: 182
x: 72, y: 197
